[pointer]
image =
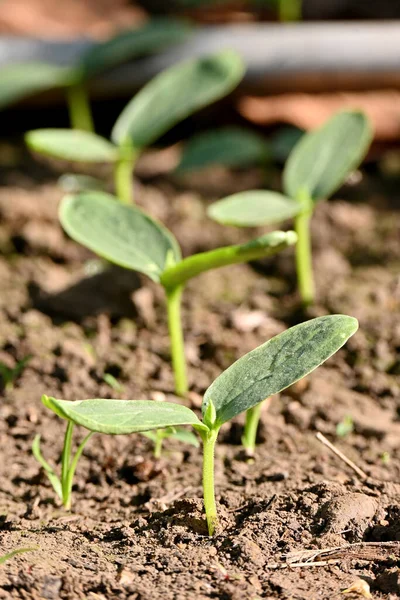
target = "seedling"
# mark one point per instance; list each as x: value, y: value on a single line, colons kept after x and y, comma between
x: 15, y: 552
x: 345, y: 427
x: 265, y: 371
x: 176, y: 433
x: 318, y: 165
x: 128, y: 237
x: 166, y: 100
x: 25, y: 79
x: 10, y: 374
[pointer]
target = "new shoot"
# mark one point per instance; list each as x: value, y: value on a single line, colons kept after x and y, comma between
x: 128, y: 237
x: 317, y: 166
x: 265, y: 371
x: 170, y: 97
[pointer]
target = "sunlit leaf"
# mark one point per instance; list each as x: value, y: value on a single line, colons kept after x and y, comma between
x: 322, y: 159
x: 227, y: 146
x: 175, y: 94
x: 122, y: 234
x: 122, y: 416
x: 72, y: 144
x: 277, y: 364
x: 153, y: 36
x: 253, y: 208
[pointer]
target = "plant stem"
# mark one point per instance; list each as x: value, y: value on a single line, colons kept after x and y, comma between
x: 174, y: 296
x: 158, y: 444
x: 250, y: 428
x: 72, y: 468
x: 229, y: 255
x: 303, y: 257
x: 209, y: 438
x: 65, y: 464
x: 123, y: 179
x: 80, y: 113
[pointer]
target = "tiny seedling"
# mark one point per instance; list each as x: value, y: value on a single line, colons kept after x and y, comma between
x: 317, y: 166
x: 10, y: 374
x: 128, y: 237
x: 22, y: 80
x: 166, y: 100
x: 113, y: 382
x: 345, y: 426
x: 265, y: 371
x: 175, y: 433
x: 15, y: 552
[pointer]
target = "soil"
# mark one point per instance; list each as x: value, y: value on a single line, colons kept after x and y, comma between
x: 137, y: 529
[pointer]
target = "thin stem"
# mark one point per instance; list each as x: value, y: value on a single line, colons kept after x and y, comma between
x: 266, y: 245
x: 65, y: 463
x: 158, y: 444
x: 174, y: 296
x: 250, y: 428
x: 304, y: 268
x: 71, y: 472
x: 80, y: 113
x: 209, y: 438
x: 123, y: 180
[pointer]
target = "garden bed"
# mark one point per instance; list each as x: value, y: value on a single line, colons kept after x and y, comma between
x: 137, y: 527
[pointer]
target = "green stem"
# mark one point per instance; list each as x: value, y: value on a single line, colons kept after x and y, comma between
x: 209, y: 438
x: 67, y: 488
x: 158, y: 444
x: 123, y: 180
x: 250, y: 428
x: 174, y: 296
x: 304, y: 258
x: 65, y: 464
x: 229, y: 255
x: 80, y: 113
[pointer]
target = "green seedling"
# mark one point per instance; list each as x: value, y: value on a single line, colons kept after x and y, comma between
x: 9, y: 375
x: 113, y: 382
x: 265, y: 371
x: 26, y: 79
x: 128, y: 237
x: 175, y: 433
x: 166, y: 100
x: 318, y: 165
x: 345, y: 427
x: 13, y: 553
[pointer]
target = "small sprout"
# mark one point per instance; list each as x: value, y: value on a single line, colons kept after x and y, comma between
x: 128, y: 237
x: 265, y: 371
x: 13, y: 553
x: 176, y: 433
x: 359, y: 588
x: 113, y: 382
x: 9, y: 375
x: 345, y: 427
x: 170, y: 97
x: 385, y: 458
x: 25, y: 79
x: 317, y: 166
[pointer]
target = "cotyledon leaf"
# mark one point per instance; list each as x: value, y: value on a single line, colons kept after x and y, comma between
x: 122, y: 234
x: 253, y: 208
x: 70, y: 144
x: 123, y: 416
x: 322, y: 159
x: 175, y: 94
x: 277, y: 364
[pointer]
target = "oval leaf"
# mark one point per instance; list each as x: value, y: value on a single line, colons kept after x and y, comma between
x: 70, y: 144
x: 228, y: 146
x: 21, y: 80
x: 122, y: 234
x: 175, y: 94
x: 122, y: 416
x: 253, y: 208
x: 277, y: 364
x: 153, y: 36
x: 322, y: 159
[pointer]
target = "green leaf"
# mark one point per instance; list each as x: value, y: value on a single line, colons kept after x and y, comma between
x: 123, y: 416
x: 21, y: 80
x: 283, y: 141
x: 322, y: 159
x: 228, y: 146
x: 51, y: 474
x: 74, y: 182
x: 253, y: 208
x: 153, y: 36
x: 277, y: 364
x: 175, y: 94
x: 70, y: 144
x: 13, y: 553
x: 122, y: 234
